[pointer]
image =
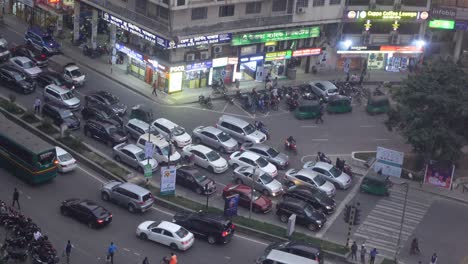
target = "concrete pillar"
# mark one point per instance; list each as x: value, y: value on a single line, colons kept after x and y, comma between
x: 422, y: 30
x: 458, y: 45
x: 94, y: 24
x: 113, y: 34
x: 76, y: 21
x: 59, y: 26
x: 6, y: 7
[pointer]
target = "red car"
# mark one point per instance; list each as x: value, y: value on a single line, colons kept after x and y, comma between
x: 261, y: 204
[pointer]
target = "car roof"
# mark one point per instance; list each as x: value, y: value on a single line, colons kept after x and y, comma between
x: 287, y: 258
x: 104, y: 124
x: 138, y: 122
x: 238, y: 188
x: 249, y: 155
x: 220, y: 218
x: 38, y: 30
x: 21, y: 58
x: 308, y: 173
x: 212, y: 130
x: 165, y: 122
x: 233, y: 119
x: 259, y: 146
x: 57, y: 88
x: 134, y: 188
x: 89, y: 204
x: 132, y: 148
x: 169, y: 226
x: 201, y: 148
x: 323, y: 165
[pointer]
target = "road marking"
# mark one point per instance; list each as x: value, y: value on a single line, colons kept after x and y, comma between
x: 126, y: 249
x: 380, y: 139
x: 308, y: 126
x: 225, y: 106
x: 319, y: 139
x: 252, y: 240
x: 238, y: 106
x: 367, y: 126
x: 138, y: 254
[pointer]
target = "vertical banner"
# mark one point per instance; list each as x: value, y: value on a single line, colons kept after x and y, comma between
x: 439, y: 174
x: 230, y: 205
x: 389, y: 161
x: 168, y: 180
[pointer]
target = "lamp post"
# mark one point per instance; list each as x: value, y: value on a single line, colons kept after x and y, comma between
x: 402, y: 220
x: 254, y: 178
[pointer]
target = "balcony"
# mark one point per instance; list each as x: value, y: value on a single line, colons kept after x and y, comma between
x: 414, y: 2
x: 385, y: 2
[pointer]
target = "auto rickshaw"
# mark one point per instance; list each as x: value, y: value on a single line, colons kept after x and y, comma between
x: 339, y: 104
x: 374, y: 183
x: 309, y: 110
x: 142, y: 112
x: 378, y: 105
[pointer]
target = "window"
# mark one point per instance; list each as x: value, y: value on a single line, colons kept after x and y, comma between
x: 163, y: 13
x: 140, y: 6
x: 199, y: 13
x: 226, y: 10
x: 302, y: 3
x: 335, y: 2
x: 253, y: 8
x: 279, y: 5
x: 319, y: 3
x: 180, y: 2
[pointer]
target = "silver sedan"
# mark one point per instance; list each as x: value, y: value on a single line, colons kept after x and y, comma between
x: 262, y: 181
x: 215, y: 138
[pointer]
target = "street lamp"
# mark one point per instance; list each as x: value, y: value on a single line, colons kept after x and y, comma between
x: 402, y: 219
x: 254, y: 178
x: 347, y: 43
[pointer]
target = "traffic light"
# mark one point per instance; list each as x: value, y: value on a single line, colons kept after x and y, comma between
x: 357, y: 216
x: 347, y: 213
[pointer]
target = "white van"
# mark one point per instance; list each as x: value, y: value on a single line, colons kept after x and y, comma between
x: 280, y: 257
x: 160, y: 147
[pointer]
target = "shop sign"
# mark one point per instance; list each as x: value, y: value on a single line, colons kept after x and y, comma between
x: 279, y: 35
x: 180, y: 68
x: 404, y: 49
x: 251, y: 58
x: 233, y: 61
x: 199, y: 66
x: 443, y: 12
x: 134, y: 29
x: 461, y: 25
x: 382, y: 49
x: 153, y: 62
x: 306, y: 52
x: 201, y: 40
x: 220, y: 62
x: 131, y: 53
x: 387, y: 15
x: 443, y: 24
x: 278, y: 55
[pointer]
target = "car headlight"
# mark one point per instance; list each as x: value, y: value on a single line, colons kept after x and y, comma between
x: 328, y: 207
x: 318, y: 222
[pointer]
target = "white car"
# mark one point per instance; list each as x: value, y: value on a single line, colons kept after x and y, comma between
x: 166, y: 233
x: 26, y: 65
x: 251, y: 159
x: 310, y: 178
x: 324, y: 89
x: 172, y: 131
x: 66, y: 162
x: 331, y: 173
x: 205, y: 157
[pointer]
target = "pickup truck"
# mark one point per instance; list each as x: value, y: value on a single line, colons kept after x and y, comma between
x: 70, y: 72
x: 133, y: 156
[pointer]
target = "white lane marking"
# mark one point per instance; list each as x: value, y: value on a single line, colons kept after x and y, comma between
x: 319, y: 139
x: 126, y: 249
x: 252, y: 240
x: 380, y: 139
x: 240, y: 107
x: 27, y: 196
x: 225, y: 106
x: 366, y: 126
x: 308, y: 126
x: 138, y: 254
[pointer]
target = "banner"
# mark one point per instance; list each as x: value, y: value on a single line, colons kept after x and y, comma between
x: 389, y: 161
x: 168, y: 180
x: 230, y: 205
x: 439, y: 174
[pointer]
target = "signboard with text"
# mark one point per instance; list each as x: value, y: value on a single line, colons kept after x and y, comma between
x: 386, y: 15
x: 230, y: 205
x: 279, y: 35
x: 389, y: 161
x: 200, y: 40
x: 168, y: 180
x: 442, y: 24
x: 306, y: 52
x: 278, y: 55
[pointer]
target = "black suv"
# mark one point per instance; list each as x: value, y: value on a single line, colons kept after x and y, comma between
x: 61, y: 116
x: 105, y: 132
x: 214, y: 227
x: 11, y: 78
x: 101, y: 114
x: 190, y: 177
x: 108, y: 100
x: 45, y: 78
x: 39, y: 58
x: 315, y: 197
x: 298, y: 248
x: 305, y: 214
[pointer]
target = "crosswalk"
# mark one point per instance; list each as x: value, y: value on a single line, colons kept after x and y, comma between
x: 381, y: 228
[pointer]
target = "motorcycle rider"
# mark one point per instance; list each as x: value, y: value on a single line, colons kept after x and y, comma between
x: 291, y: 141
x: 414, y: 247
x: 259, y: 125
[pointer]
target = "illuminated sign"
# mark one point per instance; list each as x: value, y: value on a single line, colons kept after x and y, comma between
x: 443, y: 12
x: 201, y: 40
x: 180, y: 68
x: 233, y: 61
x: 131, y: 53
x: 198, y: 66
x: 443, y: 24
x: 279, y: 35
x: 395, y: 25
x: 367, y: 25
x: 278, y: 55
x: 220, y: 62
x: 306, y: 52
x: 387, y: 15
x: 255, y: 57
x: 381, y: 49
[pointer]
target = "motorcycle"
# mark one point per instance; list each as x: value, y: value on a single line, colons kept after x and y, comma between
x: 290, y: 146
x: 323, y: 158
x: 217, y: 86
x: 228, y: 98
x: 292, y: 104
x: 341, y: 165
x: 263, y: 129
x: 205, y: 101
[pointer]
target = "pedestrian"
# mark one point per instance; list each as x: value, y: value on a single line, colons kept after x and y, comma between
x: 37, y: 105
x: 173, y: 259
x: 68, y: 249
x: 110, y: 252
x: 354, y: 251
x: 434, y: 258
x: 373, y: 254
x: 155, y: 87
x: 37, y: 235
x: 363, y: 253
x: 347, y: 77
x: 145, y: 261
x: 320, y: 114
x: 16, y: 199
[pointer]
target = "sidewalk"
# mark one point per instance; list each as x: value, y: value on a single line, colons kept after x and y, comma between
x: 118, y: 73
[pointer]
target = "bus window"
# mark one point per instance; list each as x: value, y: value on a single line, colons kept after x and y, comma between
x: 46, y: 158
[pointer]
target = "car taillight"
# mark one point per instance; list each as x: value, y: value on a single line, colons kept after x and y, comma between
x: 233, y: 226
x: 225, y: 233
x: 142, y: 202
x: 100, y: 221
x: 43, y: 56
x: 185, y: 242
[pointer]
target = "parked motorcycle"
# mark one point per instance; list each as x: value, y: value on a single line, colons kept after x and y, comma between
x: 341, y: 165
x: 228, y: 98
x: 205, y: 101
x: 262, y: 128
x: 323, y: 158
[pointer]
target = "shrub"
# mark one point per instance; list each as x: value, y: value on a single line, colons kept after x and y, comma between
x: 29, y: 117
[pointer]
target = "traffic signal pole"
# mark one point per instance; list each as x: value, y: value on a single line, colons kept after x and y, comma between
x: 352, y: 217
x: 350, y: 224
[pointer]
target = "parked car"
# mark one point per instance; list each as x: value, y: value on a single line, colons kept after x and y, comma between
x: 48, y: 77
x: 61, y: 116
x: 4, y: 51
x: 311, y: 179
x: 191, y: 178
x: 108, y: 100
x: 161, y: 148
x: 253, y: 160
x: 133, y: 156
x: 25, y: 65
x: 70, y: 71
x: 280, y: 160
x: 108, y: 133
x: 129, y: 195
x: 331, y: 173
x: 216, y: 228
x: 323, y: 89
x: 305, y: 214
x: 41, y: 40
x: 166, y: 233
x: 215, y: 138
x: 86, y: 211
x: 101, y: 114
x: 135, y: 128
x: 205, y: 157
x: 66, y: 162
x: 260, y: 203
x: 263, y: 183
x: 173, y: 132
x: 61, y: 97
x: 13, y: 79
x: 39, y: 58
x: 240, y: 129
x: 298, y: 248
x: 313, y: 196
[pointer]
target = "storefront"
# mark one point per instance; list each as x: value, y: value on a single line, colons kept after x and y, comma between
x: 275, y: 63
x: 176, y: 79
x: 41, y: 13
x: 197, y: 74
x: 23, y: 9
x: 223, y: 69
x: 301, y: 58
x: 248, y: 66
x: 136, y: 64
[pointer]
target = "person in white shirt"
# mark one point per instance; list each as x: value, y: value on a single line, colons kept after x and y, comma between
x: 37, y: 235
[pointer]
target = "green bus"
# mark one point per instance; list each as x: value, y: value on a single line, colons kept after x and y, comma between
x: 25, y: 155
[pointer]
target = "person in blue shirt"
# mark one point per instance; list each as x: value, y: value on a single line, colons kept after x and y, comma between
x: 110, y: 252
x: 373, y: 254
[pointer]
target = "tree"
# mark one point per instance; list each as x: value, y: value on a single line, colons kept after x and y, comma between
x: 432, y: 111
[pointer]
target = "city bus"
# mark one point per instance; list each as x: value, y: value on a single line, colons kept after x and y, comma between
x: 25, y: 155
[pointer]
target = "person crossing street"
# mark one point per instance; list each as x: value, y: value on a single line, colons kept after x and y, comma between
x: 16, y: 199
x: 110, y: 252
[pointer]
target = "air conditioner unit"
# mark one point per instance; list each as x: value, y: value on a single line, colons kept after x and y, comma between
x: 190, y: 57
x: 204, y: 55
x: 270, y: 48
x: 218, y: 49
x: 300, y: 10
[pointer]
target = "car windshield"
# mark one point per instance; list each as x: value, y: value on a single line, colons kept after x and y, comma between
x: 265, y: 178
x: 335, y: 172
x: 47, y: 38
x: 112, y: 129
x: 76, y: 73
x: 308, y: 211
x: 249, y: 129
x: 332, y: 90
x: 111, y: 98
x: 177, y: 131
x: 261, y: 162
x: 212, y: 156
x: 320, y: 86
x: 223, y: 137
x: 272, y: 152
x: 319, y: 180
x: 66, y: 113
x: 19, y: 77
x: 28, y: 64
x: 140, y: 155
x: 59, y: 81
x: 65, y: 157
x: 182, y: 232
x: 200, y: 177
x: 67, y: 96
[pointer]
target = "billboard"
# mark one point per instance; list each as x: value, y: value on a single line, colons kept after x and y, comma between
x: 389, y: 161
x: 439, y: 174
x: 168, y: 180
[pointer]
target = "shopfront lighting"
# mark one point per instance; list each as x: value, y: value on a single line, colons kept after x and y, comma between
x: 420, y: 43
x: 347, y: 43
